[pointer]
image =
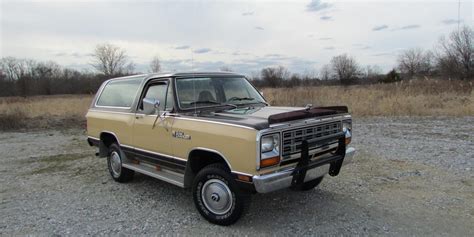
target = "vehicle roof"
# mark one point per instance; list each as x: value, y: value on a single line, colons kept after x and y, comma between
x: 179, y: 74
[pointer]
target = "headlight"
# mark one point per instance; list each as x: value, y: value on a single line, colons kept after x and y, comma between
x: 270, y: 150
x: 347, y: 129
x: 270, y: 142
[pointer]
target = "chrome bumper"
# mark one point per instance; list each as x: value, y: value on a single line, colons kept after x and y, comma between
x: 282, y: 179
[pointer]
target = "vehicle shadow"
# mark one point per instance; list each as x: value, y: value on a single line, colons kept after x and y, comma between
x: 285, y: 211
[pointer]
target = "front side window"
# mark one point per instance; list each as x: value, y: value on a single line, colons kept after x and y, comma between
x: 160, y: 92
x: 215, y: 91
x: 119, y: 93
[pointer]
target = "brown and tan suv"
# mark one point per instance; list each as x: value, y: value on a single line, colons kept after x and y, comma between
x: 216, y: 134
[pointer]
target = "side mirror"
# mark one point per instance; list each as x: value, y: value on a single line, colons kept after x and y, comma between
x: 261, y: 92
x: 150, y: 106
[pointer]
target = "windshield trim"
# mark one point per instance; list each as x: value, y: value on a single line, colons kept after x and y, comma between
x: 178, y: 102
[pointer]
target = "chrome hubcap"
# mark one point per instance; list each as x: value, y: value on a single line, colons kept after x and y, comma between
x: 216, y: 196
x: 115, y: 164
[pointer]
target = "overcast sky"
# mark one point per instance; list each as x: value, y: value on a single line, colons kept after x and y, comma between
x: 243, y: 35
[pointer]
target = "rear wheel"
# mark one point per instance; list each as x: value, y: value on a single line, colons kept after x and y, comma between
x: 114, y: 163
x: 217, y: 196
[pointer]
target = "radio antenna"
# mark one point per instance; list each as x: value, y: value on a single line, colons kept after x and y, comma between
x: 194, y: 81
x: 459, y: 13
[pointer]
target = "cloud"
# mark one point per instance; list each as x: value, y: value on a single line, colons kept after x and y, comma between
x: 239, y: 53
x: 77, y: 55
x: 325, y: 38
x: 218, y: 52
x: 380, y: 27
x: 202, y: 50
x: 330, y: 48
x: 407, y: 27
x: 317, y: 5
x: 361, y: 46
x: 259, y: 28
x: 449, y: 21
x: 247, y: 13
x: 381, y: 54
x: 274, y: 55
x: 326, y: 18
x: 73, y: 54
x: 182, y: 47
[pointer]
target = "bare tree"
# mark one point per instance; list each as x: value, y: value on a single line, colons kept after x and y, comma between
x: 155, y: 65
x: 415, y: 61
x: 44, y: 73
x: 16, y: 68
x: 111, y: 60
x: 325, y: 73
x: 456, y: 56
x: 345, y: 68
x: 274, y: 76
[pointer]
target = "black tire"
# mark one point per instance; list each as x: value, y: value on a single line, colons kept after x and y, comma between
x: 119, y: 174
x: 212, y: 181
x: 309, y: 185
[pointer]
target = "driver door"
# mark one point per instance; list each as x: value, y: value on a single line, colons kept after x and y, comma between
x: 152, y: 132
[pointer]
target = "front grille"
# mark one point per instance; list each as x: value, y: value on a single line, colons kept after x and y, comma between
x: 292, y: 139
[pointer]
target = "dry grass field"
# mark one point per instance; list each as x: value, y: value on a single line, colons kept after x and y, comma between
x: 408, y: 98
x: 43, y: 111
x: 422, y: 97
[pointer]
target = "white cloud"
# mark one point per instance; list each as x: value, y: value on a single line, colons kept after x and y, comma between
x: 380, y: 27
x: 317, y: 5
x: 202, y: 50
x: 449, y: 21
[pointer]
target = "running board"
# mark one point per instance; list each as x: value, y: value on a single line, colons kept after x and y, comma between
x: 165, y: 175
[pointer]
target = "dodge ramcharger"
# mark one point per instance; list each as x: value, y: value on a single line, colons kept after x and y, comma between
x: 215, y: 134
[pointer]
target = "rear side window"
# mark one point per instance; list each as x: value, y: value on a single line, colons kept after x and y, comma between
x: 119, y: 93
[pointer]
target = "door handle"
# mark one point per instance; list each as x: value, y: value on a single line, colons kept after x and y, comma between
x: 138, y: 116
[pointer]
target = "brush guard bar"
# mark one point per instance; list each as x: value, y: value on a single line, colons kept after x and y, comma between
x: 307, y: 169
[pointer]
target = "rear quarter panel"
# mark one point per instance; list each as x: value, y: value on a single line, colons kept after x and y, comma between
x: 120, y: 124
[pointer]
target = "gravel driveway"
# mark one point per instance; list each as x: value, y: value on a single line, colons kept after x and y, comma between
x: 411, y: 176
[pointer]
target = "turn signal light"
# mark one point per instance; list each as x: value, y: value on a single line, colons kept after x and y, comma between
x: 269, y: 161
x: 244, y: 178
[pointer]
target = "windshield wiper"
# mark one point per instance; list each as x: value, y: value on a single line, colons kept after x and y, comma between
x: 240, y: 98
x: 211, y: 102
x: 204, y: 102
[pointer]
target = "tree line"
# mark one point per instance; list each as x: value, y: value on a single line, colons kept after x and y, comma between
x: 452, y: 58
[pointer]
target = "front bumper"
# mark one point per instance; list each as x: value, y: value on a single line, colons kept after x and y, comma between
x: 283, y: 179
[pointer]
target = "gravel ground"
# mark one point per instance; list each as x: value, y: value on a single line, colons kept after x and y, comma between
x: 411, y: 176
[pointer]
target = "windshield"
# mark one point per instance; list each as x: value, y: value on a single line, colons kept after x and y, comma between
x: 216, y: 91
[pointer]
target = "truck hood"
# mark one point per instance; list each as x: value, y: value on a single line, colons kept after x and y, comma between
x: 261, y: 117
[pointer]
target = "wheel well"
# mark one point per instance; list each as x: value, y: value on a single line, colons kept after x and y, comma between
x: 106, y: 139
x: 199, y: 159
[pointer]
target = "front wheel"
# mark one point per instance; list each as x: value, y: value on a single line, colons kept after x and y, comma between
x: 217, y: 196
x: 114, y: 163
